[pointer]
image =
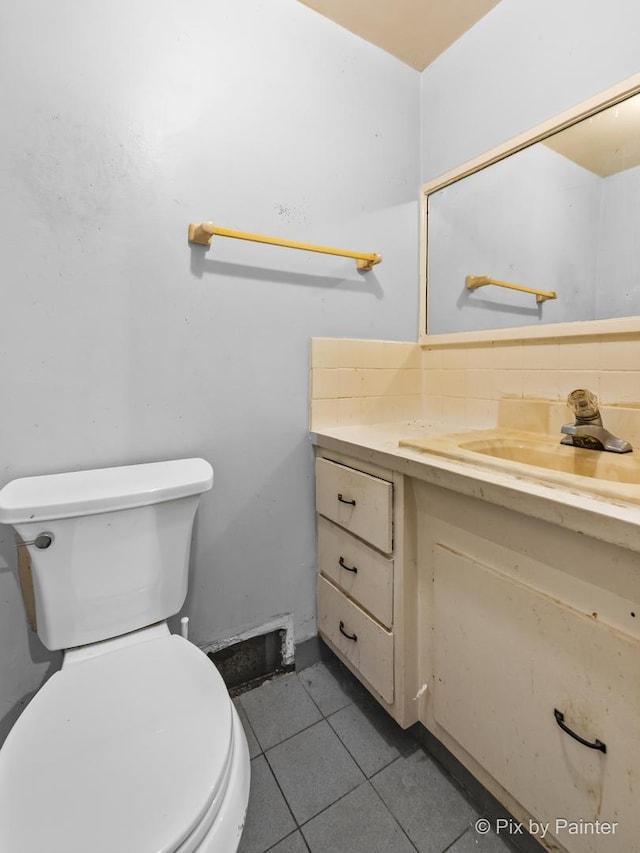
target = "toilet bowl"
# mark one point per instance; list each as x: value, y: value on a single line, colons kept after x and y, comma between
x: 134, y: 745
x: 131, y: 748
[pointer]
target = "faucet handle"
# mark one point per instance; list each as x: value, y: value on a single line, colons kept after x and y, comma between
x: 583, y: 403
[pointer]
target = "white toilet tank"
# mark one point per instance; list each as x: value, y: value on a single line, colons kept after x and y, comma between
x: 119, y: 545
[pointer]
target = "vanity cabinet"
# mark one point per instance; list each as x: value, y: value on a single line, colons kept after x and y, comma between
x: 365, y: 576
x: 520, y: 658
x: 515, y: 640
x: 518, y: 631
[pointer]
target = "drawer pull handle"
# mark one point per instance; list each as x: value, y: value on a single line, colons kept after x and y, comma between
x: 347, y: 568
x: 353, y: 637
x: 597, y: 744
x: 346, y: 501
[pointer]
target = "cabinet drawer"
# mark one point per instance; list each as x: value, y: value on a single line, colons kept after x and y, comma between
x: 356, y: 501
x: 370, y: 651
x: 364, y: 574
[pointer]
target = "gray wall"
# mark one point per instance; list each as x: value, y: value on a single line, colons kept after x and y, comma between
x: 531, y: 219
x: 618, y: 289
x: 119, y: 342
x: 524, y: 62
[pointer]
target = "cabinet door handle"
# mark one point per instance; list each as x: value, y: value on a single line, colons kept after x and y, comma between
x: 347, y: 568
x: 353, y: 637
x: 597, y: 744
x: 346, y: 500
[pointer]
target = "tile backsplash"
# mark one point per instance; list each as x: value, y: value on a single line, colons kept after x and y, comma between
x: 356, y: 382
x: 466, y: 386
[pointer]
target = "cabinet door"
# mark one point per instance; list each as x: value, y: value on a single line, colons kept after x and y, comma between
x: 506, y: 657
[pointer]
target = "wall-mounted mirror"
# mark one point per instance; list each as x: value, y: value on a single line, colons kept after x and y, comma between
x: 555, y: 212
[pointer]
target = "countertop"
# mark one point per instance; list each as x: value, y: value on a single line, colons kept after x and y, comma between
x: 515, y: 487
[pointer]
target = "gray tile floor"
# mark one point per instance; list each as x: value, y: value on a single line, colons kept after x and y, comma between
x: 333, y: 773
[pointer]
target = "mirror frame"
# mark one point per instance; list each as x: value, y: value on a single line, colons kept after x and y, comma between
x: 585, y: 328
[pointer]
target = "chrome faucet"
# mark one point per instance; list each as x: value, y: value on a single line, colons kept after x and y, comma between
x: 587, y: 431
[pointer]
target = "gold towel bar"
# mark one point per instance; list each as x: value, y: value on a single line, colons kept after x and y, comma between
x: 203, y: 232
x: 475, y: 281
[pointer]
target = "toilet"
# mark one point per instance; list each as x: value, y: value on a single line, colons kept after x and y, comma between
x: 134, y: 745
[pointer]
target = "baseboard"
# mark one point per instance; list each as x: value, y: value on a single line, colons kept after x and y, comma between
x: 310, y: 652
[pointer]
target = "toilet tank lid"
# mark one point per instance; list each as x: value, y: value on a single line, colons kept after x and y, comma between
x: 78, y: 493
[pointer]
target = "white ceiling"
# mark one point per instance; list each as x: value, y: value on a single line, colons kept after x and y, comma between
x: 418, y: 31
x: 606, y: 143
x: 415, y: 31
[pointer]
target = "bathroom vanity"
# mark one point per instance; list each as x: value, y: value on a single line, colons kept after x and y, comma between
x: 367, y: 577
x: 498, y: 607
x: 497, y: 597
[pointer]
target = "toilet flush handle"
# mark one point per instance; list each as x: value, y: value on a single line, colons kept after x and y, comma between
x: 43, y: 540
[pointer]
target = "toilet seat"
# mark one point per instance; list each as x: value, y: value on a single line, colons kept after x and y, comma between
x: 125, y: 751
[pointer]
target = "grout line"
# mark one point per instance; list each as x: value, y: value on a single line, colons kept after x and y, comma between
x: 385, y: 806
x: 393, y: 761
x: 263, y: 749
x: 325, y: 716
x: 295, y: 734
x: 324, y: 719
x: 458, y: 785
x: 248, y: 722
x: 455, y: 841
x: 365, y: 781
x: 352, y: 756
x: 297, y: 829
x: 380, y: 769
x: 304, y: 841
x: 286, y: 801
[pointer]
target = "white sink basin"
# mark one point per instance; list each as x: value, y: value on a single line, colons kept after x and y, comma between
x: 615, y: 467
x: 543, y: 458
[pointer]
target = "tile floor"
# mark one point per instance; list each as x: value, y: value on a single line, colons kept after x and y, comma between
x: 331, y: 772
